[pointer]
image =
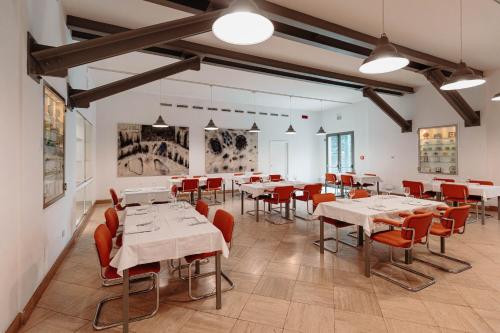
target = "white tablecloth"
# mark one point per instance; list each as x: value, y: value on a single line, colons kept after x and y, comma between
x: 178, y: 181
x: 362, y: 212
x: 484, y: 191
x: 246, y: 178
x: 176, y: 237
x: 256, y: 189
x: 144, y: 194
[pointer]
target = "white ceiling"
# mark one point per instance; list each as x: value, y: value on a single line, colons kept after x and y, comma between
x: 430, y: 26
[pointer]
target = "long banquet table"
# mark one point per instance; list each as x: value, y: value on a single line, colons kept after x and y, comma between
x: 202, y: 181
x: 362, y: 212
x: 486, y: 192
x: 176, y: 230
x: 145, y: 194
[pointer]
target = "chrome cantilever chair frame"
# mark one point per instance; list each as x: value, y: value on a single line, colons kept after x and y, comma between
x: 280, y: 209
x: 404, y: 267
x: 336, y: 239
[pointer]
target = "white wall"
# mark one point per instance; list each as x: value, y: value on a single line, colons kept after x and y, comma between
x: 32, y: 237
x: 142, y: 108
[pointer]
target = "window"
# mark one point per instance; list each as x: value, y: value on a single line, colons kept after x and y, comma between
x: 84, y: 172
x: 340, y: 152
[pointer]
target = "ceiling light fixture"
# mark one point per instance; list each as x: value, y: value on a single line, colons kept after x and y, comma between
x: 244, y: 25
x: 463, y: 76
x: 385, y: 57
x: 160, y: 123
x: 290, y: 130
x: 496, y: 98
x: 211, y: 125
x: 321, y: 131
x: 254, y: 128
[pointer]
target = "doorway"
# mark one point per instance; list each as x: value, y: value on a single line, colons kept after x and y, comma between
x: 278, y: 158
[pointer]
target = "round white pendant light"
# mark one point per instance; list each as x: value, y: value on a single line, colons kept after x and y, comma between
x: 243, y: 28
x: 384, y: 58
x: 496, y: 98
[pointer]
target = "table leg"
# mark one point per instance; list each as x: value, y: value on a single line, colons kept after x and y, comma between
x: 257, y: 209
x: 197, y: 267
x: 287, y: 210
x: 483, y: 211
x: 378, y: 188
x: 232, y: 188
x: 321, y: 235
x: 342, y: 190
x: 218, y: 282
x: 360, y: 235
x: 126, y: 288
x: 242, y: 202
x: 408, y: 257
x: 498, y: 208
x: 199, y: 193
x: 224, y: 192
x: 367, y: 253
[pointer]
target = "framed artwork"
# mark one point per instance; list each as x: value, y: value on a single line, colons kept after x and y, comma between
x: 230, y: 150
x: 144, y: 150
x: 54, y: 108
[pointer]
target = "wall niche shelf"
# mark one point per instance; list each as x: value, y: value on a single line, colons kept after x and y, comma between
x: 437, y: 149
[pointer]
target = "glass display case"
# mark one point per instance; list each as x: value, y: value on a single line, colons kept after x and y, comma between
x: 437, y: 147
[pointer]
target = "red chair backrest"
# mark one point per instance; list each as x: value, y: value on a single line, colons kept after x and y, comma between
x: 284, y: 192
x: 454, y: 191
x: 190, y: 184
x: 238, y: 174
x: 416, y: 188
x: 447, y: 180
x: 275, y: 178
x: 174, y: 190
x: 330, y: 177
x: 482, y: 182
x: 360, y: 194
x: 255, y: 179
x: 325, y: 197
x: 347, y: 180
x: 420, y: 223
x: 104, y: 244
x: 313, y: 189
x: 214, y: 183
x: 202, y: 208
x: 114, y: 196
x: 225, y: 223
x: 112, y: 221
x: 459, y: 214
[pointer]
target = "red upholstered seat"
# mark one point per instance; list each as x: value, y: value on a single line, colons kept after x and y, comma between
x: 280, y: 195
x: 111, y: 273
x: 309, y: 191
x: 331, y: 179
x: 275, y: 178
x: 417, y: 189
x: 413, y: 229
x: 457, y: 193
x: 392, y: 238
x: 112, y: 222
x: 189, y: 185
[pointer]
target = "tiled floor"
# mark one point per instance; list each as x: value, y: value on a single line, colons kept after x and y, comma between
x: 283, y: 284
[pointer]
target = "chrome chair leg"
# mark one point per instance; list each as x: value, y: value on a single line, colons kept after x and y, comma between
x: 424, y: 285
x: 95, y: 322
x: 190, y: 278
x: 465, y: 265
x: 337, y: 241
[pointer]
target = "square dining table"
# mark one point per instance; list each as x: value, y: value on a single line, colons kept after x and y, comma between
x: 164, y: 232
x: 145, y: 194
x: 362, y: 212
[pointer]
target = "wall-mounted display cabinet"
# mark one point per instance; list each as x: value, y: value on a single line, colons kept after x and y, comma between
x: 438, y: 150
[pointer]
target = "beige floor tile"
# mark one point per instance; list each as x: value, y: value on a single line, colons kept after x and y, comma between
x: 255, y: 266
x: 315, y: 275
x: 310, y: 318
x: 242, y: 326
x: 353, y: 280
x: 442, y: 293
x: 405, y: 309
x: 312, y: 294
x: 244, y: 282
x: 37, y: 316
x: 233, y: 303
x: 207, y: 323
x: 282, y: 270
x: 352, y: 322
x: 491, y: 317
x: 265, y: 310
x: 397, y: 326
x: 168, y: 319
x: 457, y: 317
x: 480, y: 299
x: 356, y: 300
x: 275, y: 287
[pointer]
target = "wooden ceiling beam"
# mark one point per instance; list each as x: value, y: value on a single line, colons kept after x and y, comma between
x: 406, y: 125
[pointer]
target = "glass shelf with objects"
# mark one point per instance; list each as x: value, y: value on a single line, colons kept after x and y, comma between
x: 437, y: 149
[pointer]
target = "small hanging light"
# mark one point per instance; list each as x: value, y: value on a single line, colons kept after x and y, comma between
x: 211, y: 125
x: 244, y: 25
x: 254, y: 128
x: 463, y: 77
x: 496, y: 98
x: 321, y: 131
x: 160, y: 123
x: 290, y: 130
x: 385, y: 57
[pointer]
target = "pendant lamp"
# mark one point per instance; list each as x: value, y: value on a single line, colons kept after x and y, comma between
x: 254, y: 128
x: 496, y: 98
x: 160, y: 123
x: 321, y: 131
x: 211, y: 125
x: 290, y: 130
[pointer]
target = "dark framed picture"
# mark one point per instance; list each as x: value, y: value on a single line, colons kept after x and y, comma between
x: 54, y: 108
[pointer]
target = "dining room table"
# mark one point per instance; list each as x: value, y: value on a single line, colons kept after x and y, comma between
x: 146, y: 195
x: 485, y: 192
x: 256, y: 190
x: 156, y: 233
x: 238, y: 180
x: 361, y: 179
x: 362, y: 212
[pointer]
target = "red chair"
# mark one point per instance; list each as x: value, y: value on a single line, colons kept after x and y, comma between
x: 238, y: 174
x: 255, y: 179
x: 348, y: 181
x: 414, y: 229
x: 359, y: 193
x: 446, y: 180
x: 417, y: 190
x: 279, y: 196
x: 225, y: 223
x: 214, y: 185
x: 104, y: 243
x: 328, y: 197
x: 190, y: 185
x: 112, y: 222
x: 452, y: 222
x: 174, y: 191
x: 459, y: 194
x: 202, y: 208
x: 331, y: 179
x: 116, y: 201
x: 275, y: 178
x: 307, y: 194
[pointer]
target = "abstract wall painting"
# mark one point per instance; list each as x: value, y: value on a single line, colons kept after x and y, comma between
x: 144, y: 150
x: 231, y: 150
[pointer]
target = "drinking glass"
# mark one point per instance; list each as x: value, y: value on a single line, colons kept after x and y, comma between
x: 389, y: 188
